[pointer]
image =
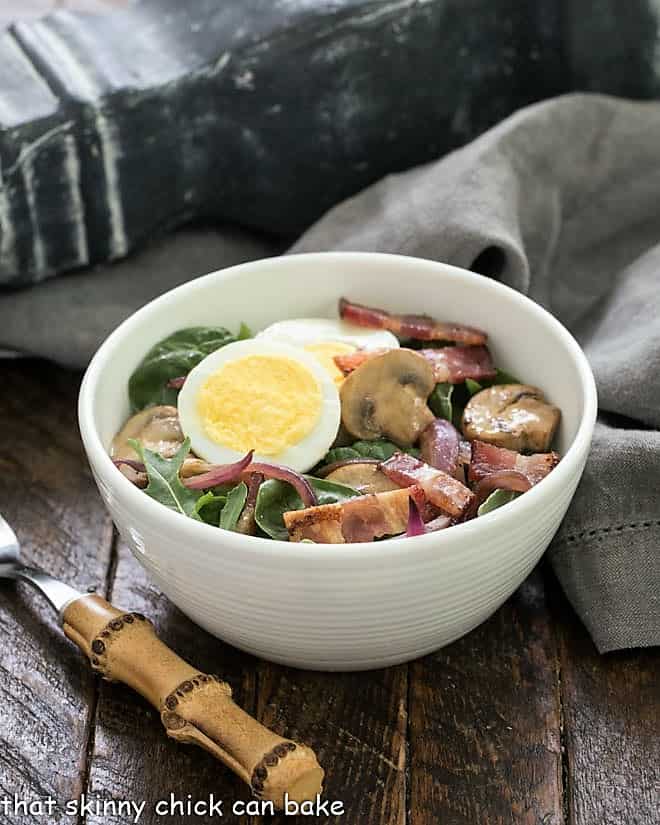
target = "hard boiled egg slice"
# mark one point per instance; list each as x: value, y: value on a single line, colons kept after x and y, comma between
x: 260, y: 395
x: 327, y: 337
x: 303, y: 331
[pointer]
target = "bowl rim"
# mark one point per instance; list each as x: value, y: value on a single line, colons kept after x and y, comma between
x: 259, y: 546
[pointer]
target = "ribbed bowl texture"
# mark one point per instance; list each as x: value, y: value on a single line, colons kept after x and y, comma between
x: 354, y: 606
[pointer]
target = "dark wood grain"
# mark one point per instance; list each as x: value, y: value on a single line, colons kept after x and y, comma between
x: 357, y: 724
x: 485, y: 723
x: 131, y: 757
x: 612, y: 721
x: 47, y: 494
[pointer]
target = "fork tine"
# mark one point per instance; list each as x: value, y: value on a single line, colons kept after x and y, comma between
x: 9, y: 546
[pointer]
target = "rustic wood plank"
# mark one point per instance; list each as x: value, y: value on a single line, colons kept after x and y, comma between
x: 357, y: 724
x: 47, y: 494
x: 485, y: 722
x: 612, y: 722
x: 131, y: 757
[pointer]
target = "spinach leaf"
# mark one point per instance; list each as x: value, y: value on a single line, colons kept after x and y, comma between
x: 496, y: 499
x: 277, y: 497
x: 244, y: 332
x: 172, y: 357
x: 501, y: 377
x: 209, y: 507
x: 380, y: 449
x: 472, y: 386
x: 440, y: 401
x: 164, y: 483
x: 234, y: 506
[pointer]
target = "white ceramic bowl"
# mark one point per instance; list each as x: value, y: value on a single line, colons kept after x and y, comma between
x: 353, y: 606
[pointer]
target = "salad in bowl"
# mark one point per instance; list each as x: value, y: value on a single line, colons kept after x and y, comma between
x: 356, y: 429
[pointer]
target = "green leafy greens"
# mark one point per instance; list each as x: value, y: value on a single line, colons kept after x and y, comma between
x: 379, y: 448
x: 209, y: 507
x: 496, y: 499
x: 449, y: 400
x: 277, y: 497
x: 234, y: 506
x: 164, y: 483
x: 440, y: 401
x: 472, y: 386
x: 173, y: 357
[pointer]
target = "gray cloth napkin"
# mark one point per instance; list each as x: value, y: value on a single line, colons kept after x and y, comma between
x: 561, y: 201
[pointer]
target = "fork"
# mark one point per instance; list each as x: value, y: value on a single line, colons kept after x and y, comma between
x: 195, y: 708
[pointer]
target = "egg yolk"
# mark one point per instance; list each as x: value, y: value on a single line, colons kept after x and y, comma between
x: 325, y: 353
x: 261, y: 402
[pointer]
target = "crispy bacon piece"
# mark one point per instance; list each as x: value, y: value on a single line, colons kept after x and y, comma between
x: 488, y: 459
x: 454, y: 364
x: 441, y: 489
x: 450, y: 364
x: 419, y: 327
x: 440, y: 445
x: 358, y: 519
x: 438, y: 523
x: 353, y: 360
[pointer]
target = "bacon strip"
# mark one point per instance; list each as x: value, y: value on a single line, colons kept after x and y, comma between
x: 450, y: 364
x: 454, y: 364
x: 447, y: 493
x: 488, y: 459
x: 358, y: 519
x: 419, y: 327
x: 352, y: 360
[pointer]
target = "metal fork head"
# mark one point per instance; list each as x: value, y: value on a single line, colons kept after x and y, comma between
x: 58, y: 593
x: 10, y: 549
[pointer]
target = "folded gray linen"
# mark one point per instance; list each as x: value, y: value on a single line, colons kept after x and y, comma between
x: 560, y: 201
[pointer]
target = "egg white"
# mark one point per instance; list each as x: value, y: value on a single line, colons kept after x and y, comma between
x: 301, y: 456
x: 302, y: 331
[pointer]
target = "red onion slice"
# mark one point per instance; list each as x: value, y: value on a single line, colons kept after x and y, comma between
x: 225, y: 473
x: 176, y: 383
x: 219, y: 474
x: 440, y: 445
x: 297, y: 481
x: 415, y: 524
x: 138, y: 466
x: 246, y: 523
x: 330, y: 468
x: 500, y: 480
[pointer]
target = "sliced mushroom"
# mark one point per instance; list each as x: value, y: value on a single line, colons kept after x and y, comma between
x: 157, y: 428
x: 515, y: 416
x: 386, y: 396
x: 366, y: 478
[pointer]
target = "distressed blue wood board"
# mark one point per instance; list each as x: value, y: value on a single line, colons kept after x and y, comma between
x: 259, y: 112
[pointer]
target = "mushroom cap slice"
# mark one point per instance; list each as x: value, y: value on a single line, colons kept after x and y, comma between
x: 515, y: 416
x: 386, y: 396
x: 366, y: 478
x: 157, y: 428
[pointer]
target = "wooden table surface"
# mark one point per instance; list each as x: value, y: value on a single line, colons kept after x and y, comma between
x: 519, y: 722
